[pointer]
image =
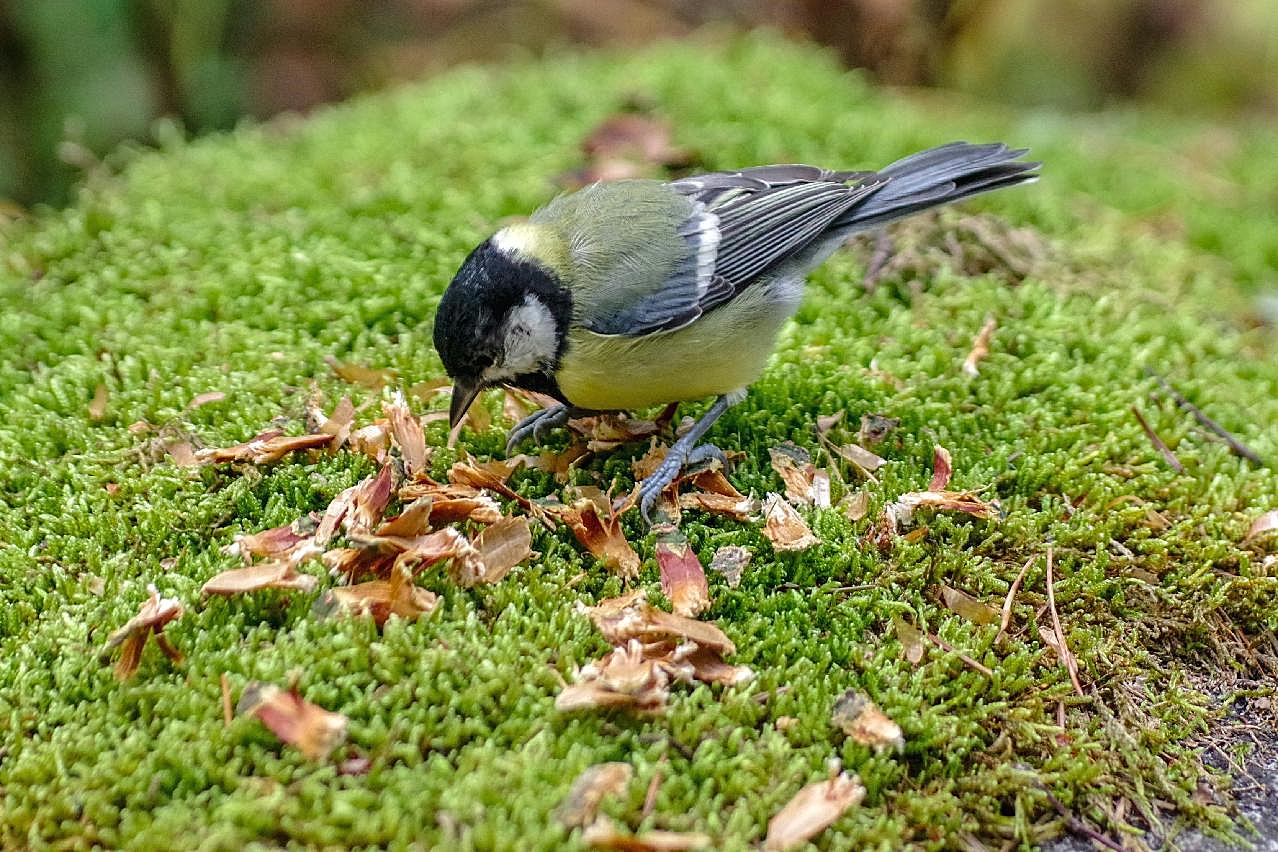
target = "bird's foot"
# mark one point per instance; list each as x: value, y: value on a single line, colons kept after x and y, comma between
x: 680, y: 456
x: 537, y: 424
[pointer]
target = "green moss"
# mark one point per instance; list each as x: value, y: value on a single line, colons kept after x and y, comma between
x: 238, y: 263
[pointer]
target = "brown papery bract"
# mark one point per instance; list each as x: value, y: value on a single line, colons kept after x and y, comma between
x: 380, y: 599
x: 863, y: 721
x: 784, y: 527
x: 131, y: 639
x: 406, y: 433
x: 308, y: 727
x: 683, y: 580
x: 501, y: 547
x: 604, y: 834
x: 813, y: 809
x: 592, y: 786
x: 263, y: 448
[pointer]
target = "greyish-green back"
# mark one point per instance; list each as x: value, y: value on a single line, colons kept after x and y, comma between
x: 624, y: 241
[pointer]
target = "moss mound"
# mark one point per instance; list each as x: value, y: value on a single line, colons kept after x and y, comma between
x: 238, y: 263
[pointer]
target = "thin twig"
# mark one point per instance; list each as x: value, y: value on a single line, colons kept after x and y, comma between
x: 980, y: 347
x: 1158, y: 442
x: 650, y: 798
x: 228, y: 712
x: 946, y: 646
x: 1235, y: 445
x: 1076, y: 825
x: 1011, y: 597
x: 1067, y: 656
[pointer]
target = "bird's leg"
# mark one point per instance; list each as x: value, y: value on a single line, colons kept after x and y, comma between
x: 537, y: 424
x: 685, y: 451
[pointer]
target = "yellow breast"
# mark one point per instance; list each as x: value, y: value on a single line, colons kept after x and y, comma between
x: 721, y: 352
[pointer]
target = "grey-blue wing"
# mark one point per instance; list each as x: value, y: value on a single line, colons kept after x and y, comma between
x: 747, y: 222
x: 742, y: 224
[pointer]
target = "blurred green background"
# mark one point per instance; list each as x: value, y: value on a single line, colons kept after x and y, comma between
x: 79, y: 77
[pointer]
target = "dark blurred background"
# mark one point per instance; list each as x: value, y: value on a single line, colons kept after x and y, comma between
x: 78, y: 77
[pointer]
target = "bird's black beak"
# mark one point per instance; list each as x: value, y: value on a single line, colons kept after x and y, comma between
x: 464, y: 394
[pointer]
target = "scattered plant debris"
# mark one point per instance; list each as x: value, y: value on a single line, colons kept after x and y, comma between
x: 911, y: 639
x: 264, y: 448
x: 862, y: 720
x: 683, y: 580
x: 501, y: 547
x: 380, y: 599
x: 357, y: 374
x: 942, y: 468
x: 98, y: 405
x: 154, y: 614
x: 597, y: 526
x: 963, y: 604
x: 980, y: 348
x: 1055, y: 639
x: 1236, y: 446
x: 1158, y: 442
x: 592, y: 786
x: 784, y: 527
x: 309, y: 728
x: 1262, y: 526
x: 875, y: 428
x: 730, y: 561
x: 813, y: 809
x: 272, y: 574
x: 604, y: 834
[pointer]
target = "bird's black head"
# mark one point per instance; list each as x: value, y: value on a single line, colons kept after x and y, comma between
x: 503, y: 320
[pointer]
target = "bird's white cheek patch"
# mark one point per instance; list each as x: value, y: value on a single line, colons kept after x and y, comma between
x: 530, y: 339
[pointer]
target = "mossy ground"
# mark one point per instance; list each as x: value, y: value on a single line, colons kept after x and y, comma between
x: 238, y: 263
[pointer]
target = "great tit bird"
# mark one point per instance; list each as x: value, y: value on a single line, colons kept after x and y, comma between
x: 637, y: 293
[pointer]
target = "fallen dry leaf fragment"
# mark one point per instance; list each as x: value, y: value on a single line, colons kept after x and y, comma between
x: 206, y: 398
x: 308, y: 727
x: 719, y: 504
x: 372, y: 440
x: 876, y: 427
x: 380, y: 599
x: 605, y: 432
x: 452, y: 502
x: 98, y: 405
x: 369, y: 502
x: 942, y: 468
x: 501, y: 547
x: 600, y: 532
x: 980, y: 348
x: 730, y: 561
x: 624, y: 678
x: 784, y: 527
x: 604, y: 834
x: 1264, y: 525
x: 708, y: 667
x: 182, y: 453
x: 855, y: 506
x: 969, y: 607
x: 911, y: 639
x: 826, y: 422
x: 154, y: 614
x: 794, y: 465
x: 263, y: 448
x: 275, y: 574
x: 683, y: 580
x: 406, y: 432
x: 360, y: 375
x: 630, y: 616
x: 274, y: 543
x: 901, y: 512
x: 813, y: 809
x: 413, y: 520
x: 863, y: 721
x: 862, y: 459
x: 592, y: 786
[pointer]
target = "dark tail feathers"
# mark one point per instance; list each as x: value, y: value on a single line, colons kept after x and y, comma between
x: 938, y: 176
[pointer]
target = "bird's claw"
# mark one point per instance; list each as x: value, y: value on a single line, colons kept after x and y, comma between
x: 536, y: 425
x: 670, y: 468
